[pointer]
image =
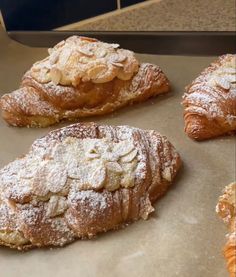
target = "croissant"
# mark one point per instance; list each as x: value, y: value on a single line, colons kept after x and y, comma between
x: 226, y: 208
x: 81, y: 77
x: 81, y: 180
x: 210, y: 101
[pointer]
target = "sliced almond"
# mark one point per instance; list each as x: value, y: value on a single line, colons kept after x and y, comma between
x: 75, y: 170
x: 230, y: 78
x: 117, y: 58
x: 83, y: 60
x: 21, y: 192
x: 112, y: 181
x: 114, y: 167
x: 56, y: 176
x: 50, y: 50
x: 115, y: 45
x: 64, y: 56
x: 97, y: 71
x: 222, y: 82
x: 85, y: 51
x: 123, y: 148
x: 39, y: 186
x: 124, y: 75
x: 41, y: 74
x: 29, y: 169
x: 166, y: 174
x: 118, y: 64
x: 97, y: 178
x: 53, y: 58
x: 129, y: 157
x: 87, y: 39
x: 127, y: 181
x: 111, y: 157
x: 101, y: 53
x: 51, y: 177
x: 229, y: 70
x: 13, y: 237
x: 129, y: 167
x: 56, y: 206
x: 56, y: 75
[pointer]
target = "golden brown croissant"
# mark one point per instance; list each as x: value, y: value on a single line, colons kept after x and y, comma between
x: 210, y: 101
x: 81, y: 77
x: 226, y: 208
x: 82, y: 180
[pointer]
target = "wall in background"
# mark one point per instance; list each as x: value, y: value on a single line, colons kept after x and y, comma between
x: 50, y: 14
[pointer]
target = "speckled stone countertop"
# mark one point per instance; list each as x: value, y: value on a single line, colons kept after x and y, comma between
x: 170, y: 15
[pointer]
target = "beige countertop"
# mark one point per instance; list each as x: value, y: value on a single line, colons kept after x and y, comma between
x: 166, y: 15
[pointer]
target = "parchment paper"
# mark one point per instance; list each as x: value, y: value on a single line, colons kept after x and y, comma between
x: 184, y: 237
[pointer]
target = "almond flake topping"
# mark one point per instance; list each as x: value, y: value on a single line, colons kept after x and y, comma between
x: 225, y: 76
x: 83, y: 59
x: 87, y: 163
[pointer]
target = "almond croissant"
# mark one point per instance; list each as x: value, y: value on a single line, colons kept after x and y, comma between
x: 81, y: 77
x: 226, y: 208
x: 210, y: 101
x: 82, y: 180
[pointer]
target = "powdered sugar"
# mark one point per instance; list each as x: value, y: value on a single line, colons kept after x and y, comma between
x: 74, y: 175
x: 94, y: 199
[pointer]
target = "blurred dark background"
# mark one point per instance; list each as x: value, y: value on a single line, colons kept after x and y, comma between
x: 49, y: 14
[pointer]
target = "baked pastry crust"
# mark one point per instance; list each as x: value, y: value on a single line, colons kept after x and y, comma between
x: 47, y: 201
x: 226, y: 209
x: 45, y: 99
x: 210, y: 101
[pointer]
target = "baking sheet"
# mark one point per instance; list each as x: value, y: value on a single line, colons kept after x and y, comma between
x: 183, y: 237
x: 151, y: 42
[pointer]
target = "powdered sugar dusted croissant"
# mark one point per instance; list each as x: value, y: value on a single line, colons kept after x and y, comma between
x: 81, y: 77
x: 82, y: 180
x: 226, y: 208
x: 210, y: 101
